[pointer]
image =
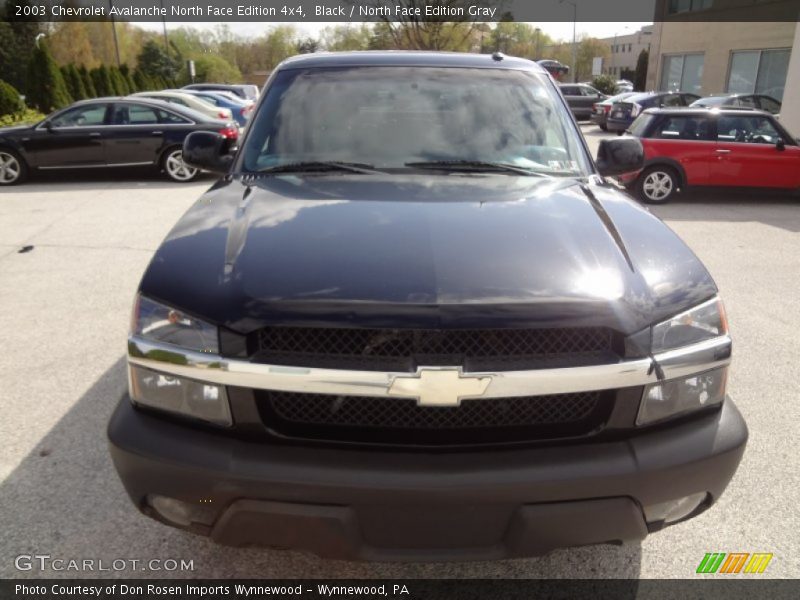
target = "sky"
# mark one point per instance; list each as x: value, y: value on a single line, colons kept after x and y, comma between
x: 558, y: 31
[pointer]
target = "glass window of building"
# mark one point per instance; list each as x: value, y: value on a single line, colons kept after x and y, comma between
x: 682, y: 72
x: 759, y: 71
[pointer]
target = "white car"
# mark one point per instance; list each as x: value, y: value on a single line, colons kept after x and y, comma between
x: 189, y: 101
x: 623, y: 85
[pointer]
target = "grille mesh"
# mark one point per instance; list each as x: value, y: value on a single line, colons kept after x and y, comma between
x: 400, y: 420
x: 403, y: 349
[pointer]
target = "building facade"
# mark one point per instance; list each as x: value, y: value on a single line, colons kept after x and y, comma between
x: 719, y: 56
x: 625, y: 48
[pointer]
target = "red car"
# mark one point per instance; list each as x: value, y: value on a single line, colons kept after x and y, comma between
x: 687, y: 147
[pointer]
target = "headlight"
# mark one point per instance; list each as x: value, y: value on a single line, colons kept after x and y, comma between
x: 204, y: 401
x: 160, y: 323
x: 163, y: 324
x: 695, y: 325
x: 674, y: 397
x: 668, y: 399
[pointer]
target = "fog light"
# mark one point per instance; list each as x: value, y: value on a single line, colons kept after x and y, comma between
x: 180, y: 395
x: 678, y: 396
x: 674, y: 510
x: 181, y: 513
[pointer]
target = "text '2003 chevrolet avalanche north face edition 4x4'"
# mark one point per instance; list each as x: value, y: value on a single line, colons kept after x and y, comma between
x: 413, y: 322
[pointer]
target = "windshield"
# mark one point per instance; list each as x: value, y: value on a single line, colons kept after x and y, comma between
x: 398, y: 117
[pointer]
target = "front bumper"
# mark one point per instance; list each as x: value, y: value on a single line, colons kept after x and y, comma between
x: 435, y: 506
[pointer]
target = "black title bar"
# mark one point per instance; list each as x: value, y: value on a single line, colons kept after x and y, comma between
x: 706, y: 587
x: 298, y: 11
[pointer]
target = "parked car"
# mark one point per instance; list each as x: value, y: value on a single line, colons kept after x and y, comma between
x: 623, y: 85
x: 581, y: 98
x: 624, y: 112
x: 722, y: 148
x: 240, y: 109
x: 245, y: 91
x: 757, y: 101
x: 188, y: 101
x: 107, y: 132
x: 601, y: 109
x: 555, y: 68
x: 414, y: 321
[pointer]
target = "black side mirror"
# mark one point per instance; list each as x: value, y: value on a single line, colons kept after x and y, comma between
x: 618, y: 156
x: 208, y: 151
x: 49, y: 126
x: 780, y: 145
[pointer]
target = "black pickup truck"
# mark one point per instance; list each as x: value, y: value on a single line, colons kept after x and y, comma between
x: 413, y: 322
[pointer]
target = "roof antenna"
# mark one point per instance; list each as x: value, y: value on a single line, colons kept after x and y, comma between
x: 498, y: 56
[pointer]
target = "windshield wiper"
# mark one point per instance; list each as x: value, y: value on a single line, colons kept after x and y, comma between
x: 476, y: 166
x: 321, y: 165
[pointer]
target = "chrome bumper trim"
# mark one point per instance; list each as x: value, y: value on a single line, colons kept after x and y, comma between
x: 172, y: 360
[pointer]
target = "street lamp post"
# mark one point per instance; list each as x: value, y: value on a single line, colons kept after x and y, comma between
x: 574, y: 38
x: 114, y: 31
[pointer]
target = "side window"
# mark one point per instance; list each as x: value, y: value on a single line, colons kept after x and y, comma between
x: 671, y: 100
x: 177, y: 101
x: 682, y: 128
x: 91, y: 115
x: 170, y: 118
x: 748, y: 101
x: 589, y: 91
x: 138, y: 114
x: 569, y: 90
x: 733, y: 129
x: 770, y: 105
x: 763, y: 131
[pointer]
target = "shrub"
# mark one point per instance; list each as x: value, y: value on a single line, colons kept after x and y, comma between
x: 26, y: 117
x: 10, y: 102
x: 605, y: 84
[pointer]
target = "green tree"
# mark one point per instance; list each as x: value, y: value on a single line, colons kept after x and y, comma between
x: 215, y: 69
x: 142, y: 82
x: 640, y: 79
x: 125, y: 72
x: 46, y: 89
x: 10, y: 101
x: 74, y: 82
x: 157, y: 63
x: 17, y: 43
x: 307, y: 46
x: 103, y: 85
x: 346, y: 37
x: 118, y: 82
x: 88, y: 83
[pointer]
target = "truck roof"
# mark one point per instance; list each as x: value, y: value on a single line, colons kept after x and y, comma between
x: 406, y: 58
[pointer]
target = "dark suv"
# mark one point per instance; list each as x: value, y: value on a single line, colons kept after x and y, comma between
x: 406, y: 325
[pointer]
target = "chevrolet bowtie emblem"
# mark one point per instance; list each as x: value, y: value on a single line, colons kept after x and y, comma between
x: 439, y: 387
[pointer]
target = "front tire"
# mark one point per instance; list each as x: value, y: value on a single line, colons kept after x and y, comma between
x: 603, y: 126
x: 657, y: 185
x: 13, y: 169
x: 175, y: 168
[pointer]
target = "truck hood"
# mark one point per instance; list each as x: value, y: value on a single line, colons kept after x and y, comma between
x: 423, y: 251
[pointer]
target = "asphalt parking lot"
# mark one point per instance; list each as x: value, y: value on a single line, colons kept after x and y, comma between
x: 64, y: 307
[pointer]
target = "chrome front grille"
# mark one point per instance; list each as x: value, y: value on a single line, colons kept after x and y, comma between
x: 404, y: 349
